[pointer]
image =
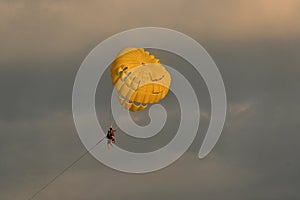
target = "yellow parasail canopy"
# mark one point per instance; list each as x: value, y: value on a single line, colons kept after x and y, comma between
x: 139, y: 78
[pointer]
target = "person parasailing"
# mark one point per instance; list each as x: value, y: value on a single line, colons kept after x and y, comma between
x: 110, y: 137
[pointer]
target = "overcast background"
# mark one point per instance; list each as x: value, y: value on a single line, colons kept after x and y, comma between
x: 256, y: 46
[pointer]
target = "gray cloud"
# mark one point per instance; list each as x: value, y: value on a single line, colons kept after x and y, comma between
x: 255, y: 46
x: 48, y: 30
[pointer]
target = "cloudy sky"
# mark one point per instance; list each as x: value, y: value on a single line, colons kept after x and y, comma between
x: 256, y: 46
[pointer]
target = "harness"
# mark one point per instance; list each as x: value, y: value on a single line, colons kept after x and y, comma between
x: 110, y: 134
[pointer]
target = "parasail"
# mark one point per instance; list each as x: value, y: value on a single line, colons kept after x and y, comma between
x: 139, y: 78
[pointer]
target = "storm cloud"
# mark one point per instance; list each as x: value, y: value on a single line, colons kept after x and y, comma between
x: 255, y: 45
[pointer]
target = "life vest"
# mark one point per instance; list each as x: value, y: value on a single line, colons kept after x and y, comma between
x: 110, y: 134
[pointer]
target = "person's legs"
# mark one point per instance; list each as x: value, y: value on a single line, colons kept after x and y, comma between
x: 113, y: 139
x: 108, y: 143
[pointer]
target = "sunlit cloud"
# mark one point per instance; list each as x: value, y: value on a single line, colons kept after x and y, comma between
x: 58, y: 29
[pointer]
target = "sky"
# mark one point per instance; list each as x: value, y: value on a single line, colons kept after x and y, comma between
x: 255, y: 45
